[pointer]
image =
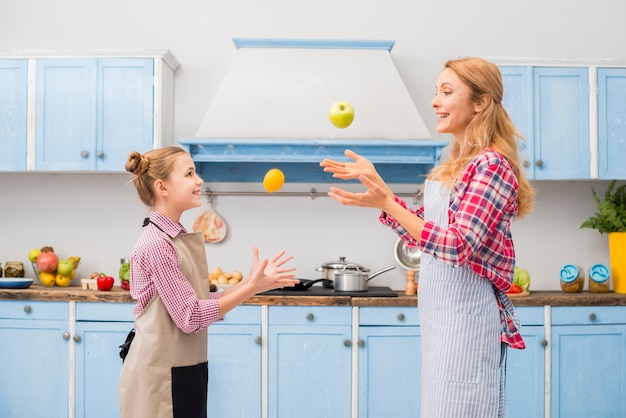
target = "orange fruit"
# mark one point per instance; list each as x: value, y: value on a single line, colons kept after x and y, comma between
x: 47, y: 279
x: 273, y: 180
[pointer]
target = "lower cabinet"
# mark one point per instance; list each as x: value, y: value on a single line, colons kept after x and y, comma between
x: 235, y: 348
x: 389, y: 362
x: 34, y: 340
x: 309, y: 362
x: 588, y: 362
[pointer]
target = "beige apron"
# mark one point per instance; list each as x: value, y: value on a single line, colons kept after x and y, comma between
x: 165, y: 373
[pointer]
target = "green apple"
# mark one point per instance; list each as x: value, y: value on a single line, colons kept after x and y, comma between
x: 341, y: 114
x: 33, y: 254
x: 65, y: 268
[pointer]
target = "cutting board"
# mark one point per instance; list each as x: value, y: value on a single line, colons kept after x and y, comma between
x: 315, y: 290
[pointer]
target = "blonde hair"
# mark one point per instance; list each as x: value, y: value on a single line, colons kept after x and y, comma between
x: 491, y: 127
x: 149, y: 167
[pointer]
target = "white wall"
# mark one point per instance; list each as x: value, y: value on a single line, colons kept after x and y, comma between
x: 98, y: 216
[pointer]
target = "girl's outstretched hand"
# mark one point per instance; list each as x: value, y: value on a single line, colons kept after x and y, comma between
x: 269, y: 274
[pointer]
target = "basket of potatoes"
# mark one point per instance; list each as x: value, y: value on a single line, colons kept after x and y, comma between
x: 224, y: 280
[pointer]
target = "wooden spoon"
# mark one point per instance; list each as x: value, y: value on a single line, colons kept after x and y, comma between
x: 211, y: 224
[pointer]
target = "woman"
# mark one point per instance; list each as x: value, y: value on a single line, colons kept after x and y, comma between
x: 463, y: 232
x: 165, y: 372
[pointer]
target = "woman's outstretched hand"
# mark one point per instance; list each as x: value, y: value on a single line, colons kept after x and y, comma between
x: 378, y: 194
x: 269, y: 274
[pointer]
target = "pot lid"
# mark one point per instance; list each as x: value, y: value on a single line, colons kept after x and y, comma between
x: 342, y: 264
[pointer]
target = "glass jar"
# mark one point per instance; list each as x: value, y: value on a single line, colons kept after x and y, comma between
x: 14, y: 269
x: 572, y: 278
x: 599, y: 278
x: 124, y: 273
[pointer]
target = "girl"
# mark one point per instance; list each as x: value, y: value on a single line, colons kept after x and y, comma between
x: 463, y: 231
x: 165, y: 372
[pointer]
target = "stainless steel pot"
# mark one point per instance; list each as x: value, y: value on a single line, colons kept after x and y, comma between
x: 329, y: 269
x: 355, y: 281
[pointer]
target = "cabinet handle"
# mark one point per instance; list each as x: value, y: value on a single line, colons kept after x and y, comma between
x: 76, y: 338
x: 100, y: 154
x: 360, y: 343
x: 539, y: 163
x: 347, y: 343
x: 526, y: 163
x: 66, y: 336
x: 310, y: 316
x: 544, y: 343
x: 400, y: 317
x: 592, y: 317
x: 84, y: 154
x: 28, y: 309
x: 258, y: 340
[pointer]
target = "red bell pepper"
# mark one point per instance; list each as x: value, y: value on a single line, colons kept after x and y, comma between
x: 515, y: 289
x: 105, y: 283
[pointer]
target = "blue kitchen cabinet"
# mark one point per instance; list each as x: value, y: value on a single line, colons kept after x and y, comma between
x: 235, y: 349
x: 525, y: 387
x: 588, y: 362
x: 91, y: 112
x: 13, y: 113
x: 389, y: 355
x: 100, y: 329
x: 611, y: 123
x: 34, y: 359
x: 550, y: 107
x: 309, y: 361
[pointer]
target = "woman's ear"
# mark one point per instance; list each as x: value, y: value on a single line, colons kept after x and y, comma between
x: 481, y: 103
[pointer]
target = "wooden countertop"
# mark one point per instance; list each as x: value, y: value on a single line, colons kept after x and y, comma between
x: 539, y: 298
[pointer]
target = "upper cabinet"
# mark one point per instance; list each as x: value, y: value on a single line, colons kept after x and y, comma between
x: 572, y: 120
x: 13, y: 113
x: 89, y: 112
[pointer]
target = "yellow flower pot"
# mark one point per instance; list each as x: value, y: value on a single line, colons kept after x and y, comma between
x: 617, y: 254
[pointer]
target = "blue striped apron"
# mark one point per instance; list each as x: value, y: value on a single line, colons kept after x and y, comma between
x: 460, y: 332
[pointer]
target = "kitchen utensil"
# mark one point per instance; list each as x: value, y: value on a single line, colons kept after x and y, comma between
x: 211, y: 224
x: 330, y: 268
x: 407, y: 257
x: 305, y: 284
x: 355, y: 281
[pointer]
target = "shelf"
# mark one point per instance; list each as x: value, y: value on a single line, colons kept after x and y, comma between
x: 247, y: 160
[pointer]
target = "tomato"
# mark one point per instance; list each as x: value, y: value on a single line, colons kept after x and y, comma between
x: 105, y: 282
x: 515, y: 289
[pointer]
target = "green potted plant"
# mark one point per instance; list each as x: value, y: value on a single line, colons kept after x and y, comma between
x: 611, y: 219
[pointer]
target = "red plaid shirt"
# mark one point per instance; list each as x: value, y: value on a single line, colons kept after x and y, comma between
x: 482, y: 204
x: 155, y: 268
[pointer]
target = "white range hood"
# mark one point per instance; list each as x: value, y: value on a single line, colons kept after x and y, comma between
x: 271, y: 110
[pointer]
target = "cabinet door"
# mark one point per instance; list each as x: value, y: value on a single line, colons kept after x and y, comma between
x: 66, y: 123
x: 309, y: 362
x: 525, y: 369
x: 588, y: 367
x: 517, y: 102
x: 612, y: 123
x: 13, y: 114
x: 389, y: 371
x: 561, y: 123
x: 125, y: 110
x: 235, y: 371
x: 34, y: 359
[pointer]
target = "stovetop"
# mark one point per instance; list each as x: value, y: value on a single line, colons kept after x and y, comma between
x: 316, y: 290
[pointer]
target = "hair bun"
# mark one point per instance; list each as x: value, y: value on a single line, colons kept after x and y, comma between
x: 137, y: 163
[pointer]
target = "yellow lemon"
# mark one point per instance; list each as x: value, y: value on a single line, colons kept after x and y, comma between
x: 47, y: 279
x: 62, y: 280
x: 273, y: 180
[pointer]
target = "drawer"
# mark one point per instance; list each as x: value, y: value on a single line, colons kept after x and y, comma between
x: 530, y: 315
x: 310, y: 315
x: 389, y: 316
x: 33, y: 309
x: 105, y: 311
x: 242, y: 315
x: 588, y: 315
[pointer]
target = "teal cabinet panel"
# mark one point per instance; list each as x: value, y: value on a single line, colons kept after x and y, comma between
x: 389, y: 316
x: 125, y: 109
x: 106, y: 312
x: 561, y: 123
x: 13, y: 113
x: 612, y: 123
x: 33, y: 360
x: 98, y: 366
x: 309, y: 362
x: 389, y: 371
x: 235, y: 382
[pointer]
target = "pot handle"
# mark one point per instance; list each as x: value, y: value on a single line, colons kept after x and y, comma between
x: 381, y: 272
